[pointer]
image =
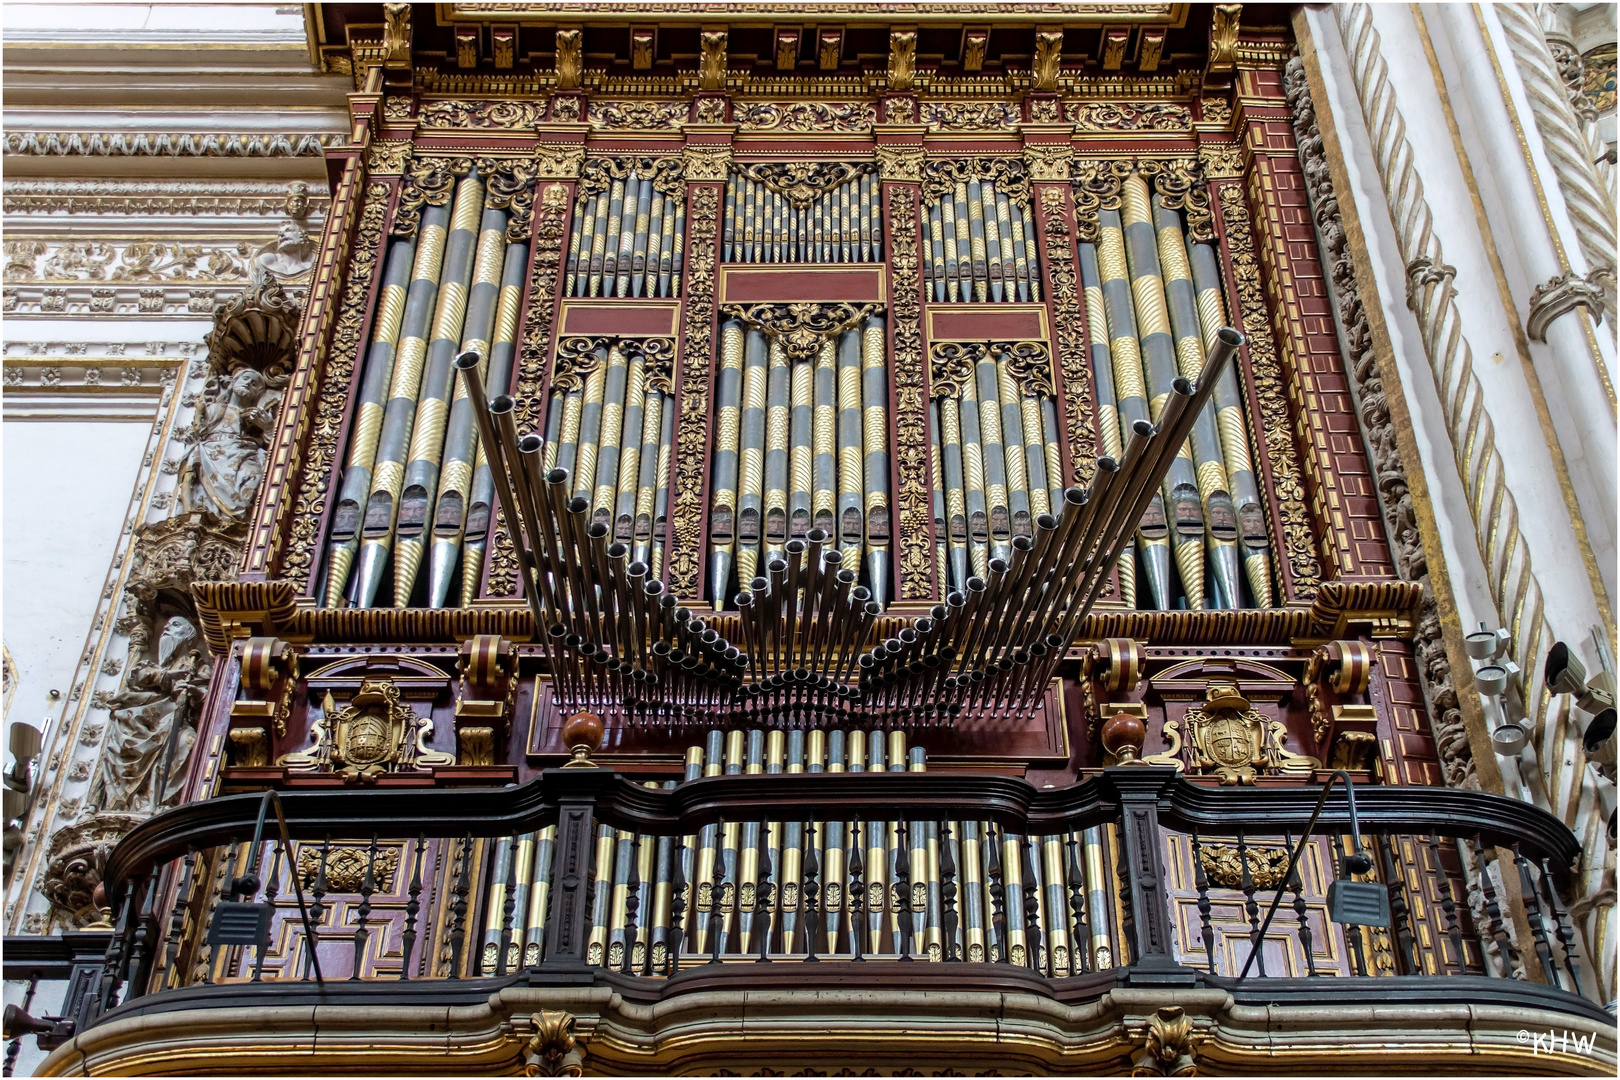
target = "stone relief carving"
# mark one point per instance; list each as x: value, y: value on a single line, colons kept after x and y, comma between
x: 153, y: 724
x: 165, y: 144
x: 1400, y: 517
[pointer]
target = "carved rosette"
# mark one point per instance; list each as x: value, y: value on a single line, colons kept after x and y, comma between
x: 691, y: 457
x: 1297, y: 544
x: 914, y: 492
x: 1070, y: 325
x: 321, y: 449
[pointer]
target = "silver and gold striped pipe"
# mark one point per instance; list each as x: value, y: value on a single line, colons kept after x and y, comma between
x: 727, y: 430
x: 399, y: 416
x: 982, y: 248
x: 751, y: 482
x: 875, y: 424
x: 426, y: 454
x: 1159, y: 365
x: 778, y: 407
x: 344, y: 540
x: 792, y: 224
x: 1108, y: 410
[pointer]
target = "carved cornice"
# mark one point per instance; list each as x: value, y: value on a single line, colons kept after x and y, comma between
x: 150, y: 197
x: 165, y: 144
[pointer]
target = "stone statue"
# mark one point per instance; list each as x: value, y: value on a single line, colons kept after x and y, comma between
x: 290, y: 256
x: 143, y: 765
x: 221, y: 472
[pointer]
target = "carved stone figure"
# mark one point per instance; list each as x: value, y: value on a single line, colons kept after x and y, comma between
x: 221, y: 472
x: 289, y: 256
x: 153, y: 725
x: 74, y: 864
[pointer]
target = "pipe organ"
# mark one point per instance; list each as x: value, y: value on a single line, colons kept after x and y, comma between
x: 629, y: 229
x: 803, y: 212
x: 981, y: 237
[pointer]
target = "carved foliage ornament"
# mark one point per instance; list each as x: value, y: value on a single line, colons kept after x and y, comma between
x: 598, y: 173
x: 1071, y: 342
x: 900, y: 163
x: 345, y: 867
x: 1123, y: 116
x: 1048, y: 59
x: 712, y: 61
x: 429, y: 181
x: 1287, y: 486
x: 970, y: 115
x: 914, y: 493
x: 1225, y: 869
x: 705, y: 164
x: 637, y: 115
x: 853, y: 118
x: 1011, y: 176
x: 570, y: 61
x: 902, y: 59
x: 702, y: 224
x: 1168, y: 1045
x: 495, y: 115
x: 801, y: 327
x: 802, y: 182
x: 553, y: 1049
x: 318, y: 453
x: 375, y: 733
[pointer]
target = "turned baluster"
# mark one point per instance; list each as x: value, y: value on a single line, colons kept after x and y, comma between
x: 1399, y: 910
x: 1032, y: 906
x: 947, y: 891
x: 14, y: 1047
x: 270, y: 893
x: 321, y: 884
x: 717, y: 889
x: 1493, y: 912
x: 141, y: 943
x: 1448, y: 905
x: 413, y: 905
x: 458, y: 905
x: 1566, y: 932
x: 1201, y: 880
x: 905, y: 923
x: 632, y: 906
x: 1000, y: 948
x: 1127, y: 912
x: 507, y: 944
x: 810, y: 892
x: 362, y: 917
x: 177, y: 919
x: 677, y: 907
x: 1295, y: 885
x: 857, y: 895
x: 764, y: 892
x: 1080, y: 947
x: 1250, y: 906
x: 1532, y: 915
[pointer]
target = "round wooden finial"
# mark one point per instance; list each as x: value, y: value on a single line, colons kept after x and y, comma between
x: 582, y: 734
x: 1123, y: 736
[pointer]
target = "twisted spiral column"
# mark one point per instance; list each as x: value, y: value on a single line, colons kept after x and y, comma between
x: 1586, y: 114
x: 1589, y: 199
x: 1514, y: 589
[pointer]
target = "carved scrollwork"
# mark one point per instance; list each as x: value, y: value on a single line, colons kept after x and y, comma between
x: 599, y: 173
x: 970, y: 115
x: 375, y: 733
x: 1298, y: 542
x: 849, y: 117
x: 1096, y: 187
x: 658, y: 359
x: 702, y: 225
x: 705, y: 164
x: 1030, y: 365
x: 1071, y: 342
x: 576, y: 359
x: 1123, y: 116
x: 802, y: 182
x: 951, y: 364
x: 509, y: 186
x: 1225, y: 869
x: 1049, y: 161
x: 1011, y: 176
x: 900, y: 163
x: 636, y: 115
x: 428, y: 182
x: 914, y: 493
x: 486, y: 115
x: 800, y: 327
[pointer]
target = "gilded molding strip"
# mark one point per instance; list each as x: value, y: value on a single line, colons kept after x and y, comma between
x: 310, y: 506
x: 1298, y: 544
x: 915, y: 492
x: 551, y: 232
x: 1071, y: 341
x: 265, y: 541
x: 686, y: 547
x: 1514, y: 588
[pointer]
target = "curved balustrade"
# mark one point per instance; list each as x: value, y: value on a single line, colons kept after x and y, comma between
x: 1136, y: 873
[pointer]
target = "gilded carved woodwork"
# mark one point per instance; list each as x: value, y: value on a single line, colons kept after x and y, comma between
x: 1071, y: 341
x: 374, y: 733
x: 1048, y: 59
x: 570, y: 63
x: 1169, y: 1045
x: 345, y: 867
x: 852, y: 118
x: 802, y: 182
x: 1222, y: 863
x: 598, y: 173
x: 1297, y: 543
x: 1226, y: 738
x: 902, y: 59
x: 712, y: 62
x: 321, y: 450
x: 911, y: 454
x: 686, y: 546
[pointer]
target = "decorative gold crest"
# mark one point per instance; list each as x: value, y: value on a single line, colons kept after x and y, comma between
x: 375, y: 733
x: 1226, y: 737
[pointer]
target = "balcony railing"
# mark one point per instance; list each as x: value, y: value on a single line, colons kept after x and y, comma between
x: 1135, y: 876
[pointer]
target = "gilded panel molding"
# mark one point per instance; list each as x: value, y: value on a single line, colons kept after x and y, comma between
x: 551, y: 230
x: 845, y: 117
x: 686, y: 546
x: 165, y: 144
x: 497, y: 115
x: 914, y: 493
x: 1296, y: 544
x: 316, y: 460
x: 1122, y: 116
x: 1071, y: 341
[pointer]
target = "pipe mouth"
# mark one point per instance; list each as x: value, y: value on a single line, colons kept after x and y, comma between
x: 860, y: 594
x: 850, y: 579
x: 530, y: 444
x: 745, y: 598
x: 1074, y: 496
x: 579, y: 504
x: 1229, y: 336
x: 558, y: 475
x: 1022, y: 543
x: 1142, y: 428
x: 468, y: 359
x: 777, y: 566
x: 760, y: 584
x: 976, y: 584
x: 874, y: 608
x: 502, y: 404
x: 1107, y: 464
x: 654, y: 587
x: 1182, y: 386
x: 816, y: 536
x: 832, y: 558
x: 794, y: 547
x: 596, y: 530
x: 637, y: 569
x: 1045, y: 522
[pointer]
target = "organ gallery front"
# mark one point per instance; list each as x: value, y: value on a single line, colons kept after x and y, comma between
x: 821, y: 539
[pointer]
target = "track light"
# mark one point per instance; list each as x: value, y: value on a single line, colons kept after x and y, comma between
x: 1594, y: 698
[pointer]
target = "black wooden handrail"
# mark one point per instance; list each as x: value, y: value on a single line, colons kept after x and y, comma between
x: 1012, y: 803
